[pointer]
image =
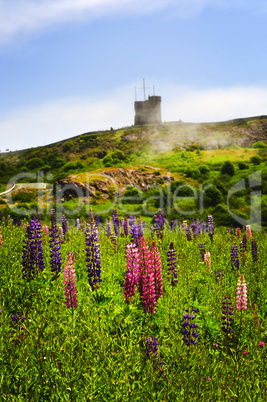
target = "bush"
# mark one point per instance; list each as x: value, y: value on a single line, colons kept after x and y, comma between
x: 242, y: 166
x: 204, y: 169
x: 259, y: 144
x: 212, y: 197
x: 108, y: 160
x: 256, y: 160
x: 35, y: 163
x: 228, y: 168
x: 67, y: 146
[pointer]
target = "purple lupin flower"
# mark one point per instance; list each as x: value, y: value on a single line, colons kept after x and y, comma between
x: 151, y: 347
x: 132, y: 273
x: 116, y: 222
x: 70, y: 282
x: 254, y: 250
x: 55, y: 254
x: 108, y: 228
x: 198, y: 227
x: 234, y: 257
x: 126, y: 225
x: 134, y: 233
x: 93, y: 259
x: 189, y: 327
x: 194, y: 228
x: 188, y: 232
x: 210, y: 227
x: 97, y: 220
x: 227, y: 316
x: 32, y: 258
x: 65, y: 228
x: 140, y: 227
x: 172, y: 264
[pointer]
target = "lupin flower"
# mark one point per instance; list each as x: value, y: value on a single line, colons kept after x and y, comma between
x: 207, y: 258
x: 248, y: 230
x: 108, y: 228
x: 238, y: 232
x: 189, y: 327
x: 134, y: 233
x: 227, y: 316
x: 151, y: 347
x: 219, y: 275
x: 93, y: 259
x: 188, y: 233
x: 172, y: 264
x: 126, y: 225
x: 194, y: 228
x: 156, y: 265
x: 132, y: 273
x: 116, y: 222
x: 210, y: 227
x: 1, y: 241
x: 146, y: 278
x: 241, y: 294
x: 32, y: 259
x: 55, y: 254
x: 70, y: 282
x: 65, y: 228
x: 234, y: 257
x: 254, y: 249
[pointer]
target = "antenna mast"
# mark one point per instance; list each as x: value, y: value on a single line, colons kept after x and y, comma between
x: 144, y: 88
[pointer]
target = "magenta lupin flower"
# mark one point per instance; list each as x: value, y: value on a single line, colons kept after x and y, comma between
x: 248, y: 231
x: 70, y: 282
x: 146, y: 278
x: 156, y: 263
x: 207, y: 258
x: 241, y: 294
x: 132, y: 273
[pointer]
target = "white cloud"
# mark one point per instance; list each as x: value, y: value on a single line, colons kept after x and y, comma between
x: 27, y: 16
x: 63, y: 118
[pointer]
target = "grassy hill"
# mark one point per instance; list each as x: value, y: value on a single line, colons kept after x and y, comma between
x: 147, y: 164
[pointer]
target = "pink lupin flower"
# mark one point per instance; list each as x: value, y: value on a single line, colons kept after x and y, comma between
x: 132, y: 273
x: 238, y: 232
x: 156, y: 262
x: 70, y: 282
x: 207, y: 258
x: 241, y: 294
x: 146, y: 278
x: 248, y: 230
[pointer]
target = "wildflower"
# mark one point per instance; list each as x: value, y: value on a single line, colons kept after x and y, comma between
x: 55, y: 254
x: 189, y: 328
x: 172, y: 264
x: 32, y: 258
x: 151, y: 347
x: 234, y: 257
x: 210, y: 227
x: 254, y: 249
x: 261, y: 344
x: 248, y: 230
x: 93, y: 259
x: 219, y: 275
x: 238, y: 232
x: 116, y: 222
x: 1, y: 241
x: 70, y: 282
x: 207, y: 258
x: 65, y: 228
x: 245, y: 352
x: 241, y: 294
x: 146, y: 278
x: 132, y: 273
x: 227, y: 316
x: 126, y: 225
x: 108, y: 228
x: 215, y: 345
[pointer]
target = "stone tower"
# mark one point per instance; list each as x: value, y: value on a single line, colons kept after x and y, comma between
x: 148, y: 111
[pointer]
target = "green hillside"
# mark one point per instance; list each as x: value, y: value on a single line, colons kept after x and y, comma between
x: 147, y: 164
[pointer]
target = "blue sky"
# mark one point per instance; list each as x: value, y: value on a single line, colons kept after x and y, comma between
x: 71, y: 66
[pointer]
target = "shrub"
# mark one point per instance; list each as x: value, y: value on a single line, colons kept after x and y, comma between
x: 67, y: 146
x: 228, y: 168
x: 259, y: 144
x: 256, y: 160
x: 108, y: 160
x: 204, y: 169
x: 35, y: 163
x: 242, y: 165
x: 212, y: 197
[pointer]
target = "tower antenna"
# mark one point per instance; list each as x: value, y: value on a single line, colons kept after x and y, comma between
x: 144, y: 88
